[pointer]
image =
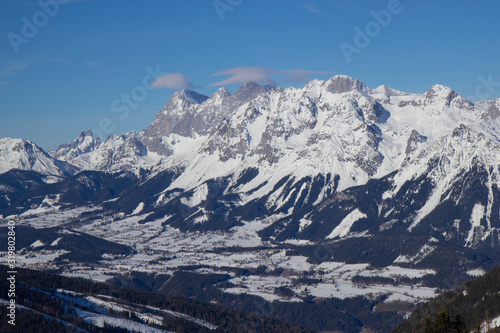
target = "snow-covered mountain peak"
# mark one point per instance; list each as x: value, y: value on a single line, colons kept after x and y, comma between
x: 461, y: 151
x: 438, y: 92
x: 220, y: 94
x: 440, y: 89
x: 343, y: 83
x: 454, y: 153
x: 439, y: 95
x: 461, y: 130
x: 25, y: 155
x: 117, y: 153
x: 383, y: 89
x: 183, y: 100
x: 84, y: 143
x: 314, y: 87
x: 191, y: 120
x: 469, y: 139
x: 189, y: 96
x: 410, y: 177
x: 251, y: 90
x: 490, y: 109
x: 356, y: 132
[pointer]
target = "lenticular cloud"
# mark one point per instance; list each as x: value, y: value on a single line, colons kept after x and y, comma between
x: 264, y: 74
x: 173, y: 81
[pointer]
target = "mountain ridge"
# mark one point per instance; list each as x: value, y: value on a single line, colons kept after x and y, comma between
x: 335, y: 181
x: 335, y: 128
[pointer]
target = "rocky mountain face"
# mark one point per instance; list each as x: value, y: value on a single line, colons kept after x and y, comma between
x: 84, y: 143
x: 118, y: 152
x: 407, y: 175
x: 25, y: 155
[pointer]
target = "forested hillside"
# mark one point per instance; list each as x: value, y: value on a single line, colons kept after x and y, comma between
x: 472, y: 307
x: 53, y: 303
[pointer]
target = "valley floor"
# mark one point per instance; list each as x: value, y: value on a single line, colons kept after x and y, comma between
x: 161, y: 249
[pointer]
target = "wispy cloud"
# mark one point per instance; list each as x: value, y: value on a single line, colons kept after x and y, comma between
x: 301, y: 75
x: 89, y: 64
x: 173, y: 81
x: 314, y: 10
x: 4, y: 83
x: 61, y: 61
x: 12, y: 68
x: 92, y: 64
x: 264, y: 75
x: 245, y: 74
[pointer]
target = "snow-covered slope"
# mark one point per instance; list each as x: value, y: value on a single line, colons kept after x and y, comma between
x: 267, y: 151
x: 123, y: 152
x: 84, y: 143
x: 25, y: 155
x: 335, y: 174
x: 338, y: 127
x: 449, y: 190
x: 380, y: 176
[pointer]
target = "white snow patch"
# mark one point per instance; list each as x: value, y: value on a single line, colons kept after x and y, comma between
x: 99, y: 320
x: 490, y: 324
x: 304, y: 223
x: 421, y: 254
x: 66, y: 231
x: 36, y: 244
x: 475, y: 221
x: 138, y: 209
x: 199, y: 195
x: 396, y: 271
x: 345, y: 226
x: 299, y: 242
x: 56, y: 242
x: 428, y: 207
x: 297, y: 263
x: 433, y: 240
x: 476, y: 272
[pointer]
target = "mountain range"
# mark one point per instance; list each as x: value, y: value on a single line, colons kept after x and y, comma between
x: 378, y: 175
x: 288, y: 149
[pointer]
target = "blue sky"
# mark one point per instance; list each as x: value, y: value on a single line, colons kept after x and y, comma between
x: 72, y: 72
